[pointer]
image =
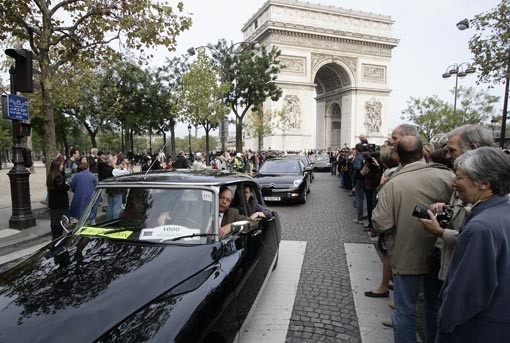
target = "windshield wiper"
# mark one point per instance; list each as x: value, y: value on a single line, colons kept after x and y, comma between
x: 189, y: 236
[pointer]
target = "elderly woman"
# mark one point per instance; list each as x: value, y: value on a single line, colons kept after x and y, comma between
x: 475, y: 299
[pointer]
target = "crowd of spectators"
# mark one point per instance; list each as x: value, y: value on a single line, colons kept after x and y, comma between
x: 455, y: 252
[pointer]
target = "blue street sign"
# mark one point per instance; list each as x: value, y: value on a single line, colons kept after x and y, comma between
x: 17, y: 107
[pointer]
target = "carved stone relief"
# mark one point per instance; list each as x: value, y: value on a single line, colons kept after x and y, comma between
x: 373, y: 73
x: 349, y: 61
x: 314, y: 42
x: 373, y: 114
x: 294, y: 65
x: 292, y: 112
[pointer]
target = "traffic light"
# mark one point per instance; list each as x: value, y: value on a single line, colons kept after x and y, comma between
x: 20, y: 129
x: 22, y: 70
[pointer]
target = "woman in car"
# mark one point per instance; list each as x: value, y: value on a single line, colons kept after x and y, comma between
x: 255, y: 210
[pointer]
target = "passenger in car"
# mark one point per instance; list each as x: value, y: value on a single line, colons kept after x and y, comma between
x: 227, y: 214
x: 255, y: 210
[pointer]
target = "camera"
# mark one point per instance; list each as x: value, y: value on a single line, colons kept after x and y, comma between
x: 443, y: 217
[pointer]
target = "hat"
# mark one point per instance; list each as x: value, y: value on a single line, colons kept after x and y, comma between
x: 239, y: 155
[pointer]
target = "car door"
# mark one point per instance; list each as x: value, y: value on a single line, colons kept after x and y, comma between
x: 259, y: 250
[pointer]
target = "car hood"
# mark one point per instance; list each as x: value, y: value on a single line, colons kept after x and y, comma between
x: 86, y: 286
x: 267, y: 179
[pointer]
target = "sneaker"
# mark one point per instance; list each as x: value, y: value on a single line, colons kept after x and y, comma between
x: 373, y: 233
x: 44, y: 202
x: 358, y: 222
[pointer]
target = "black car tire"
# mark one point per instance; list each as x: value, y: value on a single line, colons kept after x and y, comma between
x: 302, y: 200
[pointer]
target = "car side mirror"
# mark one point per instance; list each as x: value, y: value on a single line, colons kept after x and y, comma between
x: 66, y: 223
x: 240, y: 226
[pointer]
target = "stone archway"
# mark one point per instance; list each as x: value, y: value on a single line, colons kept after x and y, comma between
x: 332, y: 83
x: 335, y: 81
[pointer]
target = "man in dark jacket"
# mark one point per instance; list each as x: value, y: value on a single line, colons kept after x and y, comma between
x: 180, y: 162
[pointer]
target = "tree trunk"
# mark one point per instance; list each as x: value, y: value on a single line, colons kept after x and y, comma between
x: 172, y: 140
x: 206, y: 157
x: 239, y: 134
x: 50, y: 146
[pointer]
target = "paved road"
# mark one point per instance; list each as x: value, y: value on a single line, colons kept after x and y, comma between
x: 324, y: 309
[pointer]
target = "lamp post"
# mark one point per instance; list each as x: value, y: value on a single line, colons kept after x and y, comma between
x: 189, y: 143
x: 459, y: 70
x: 463, y: 25
x: 223, y: 127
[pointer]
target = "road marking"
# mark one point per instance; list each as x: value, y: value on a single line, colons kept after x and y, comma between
x: 21, y: 253
x: 365, y: 268
x: 269, y: 319
x: 8, y: 232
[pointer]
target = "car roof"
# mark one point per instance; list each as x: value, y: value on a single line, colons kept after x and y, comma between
x: 207, y: 177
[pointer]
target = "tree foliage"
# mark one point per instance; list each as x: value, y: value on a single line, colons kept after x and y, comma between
x: 251, y: 76
x: 435, y: 117
x: 262, y: 123
x: 426, y: 114
x: 81, y: 30
x: 490, y: 44
x: 202, y: 96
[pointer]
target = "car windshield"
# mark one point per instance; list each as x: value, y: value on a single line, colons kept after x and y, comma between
x: 280, y: 167
x: 151, y: 215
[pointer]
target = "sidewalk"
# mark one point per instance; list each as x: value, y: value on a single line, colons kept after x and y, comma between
x: 15, y: 244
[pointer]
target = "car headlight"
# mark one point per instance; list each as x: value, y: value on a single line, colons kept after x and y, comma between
x: 297, y: 183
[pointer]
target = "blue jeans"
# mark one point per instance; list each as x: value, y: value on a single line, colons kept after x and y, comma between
x: 114, y: 206
x: 360, y: 197
x: 406, y: 289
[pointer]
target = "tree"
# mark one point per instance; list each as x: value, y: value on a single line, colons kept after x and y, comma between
x: 171, y: 76
x: 261, y: 124
x: 434, y: 117
x: 202, y: 96
x: 490, y: 46
x: 426, y: 113
x: 86, y: 33
x: 476, y: 106
x: 251, y: 78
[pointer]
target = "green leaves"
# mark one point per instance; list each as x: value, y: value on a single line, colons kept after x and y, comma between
x: 434, y: 117
x: 490, y: 44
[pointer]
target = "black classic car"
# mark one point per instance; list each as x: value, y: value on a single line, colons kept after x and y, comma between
x: 283, y: 179
x: 152, y: 270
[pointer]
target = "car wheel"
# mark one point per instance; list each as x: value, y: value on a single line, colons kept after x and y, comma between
x: 303, y: 197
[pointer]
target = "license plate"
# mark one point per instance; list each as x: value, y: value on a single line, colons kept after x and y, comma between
x: 272, y: 198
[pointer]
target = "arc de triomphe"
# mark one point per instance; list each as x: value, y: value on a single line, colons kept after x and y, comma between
x: 336, y: 78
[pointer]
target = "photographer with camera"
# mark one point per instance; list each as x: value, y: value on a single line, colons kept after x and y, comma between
x: 475, y: 302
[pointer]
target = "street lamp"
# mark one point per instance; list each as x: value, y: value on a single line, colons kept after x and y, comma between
x: 463, y: 25
x: 459, y: 70
x: 253, y: 45
x: 189, y: 144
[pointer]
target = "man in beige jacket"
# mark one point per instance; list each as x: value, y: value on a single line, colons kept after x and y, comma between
x: 417, y: 183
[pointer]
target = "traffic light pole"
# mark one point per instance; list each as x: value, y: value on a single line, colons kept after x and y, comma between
x: 22, y: 216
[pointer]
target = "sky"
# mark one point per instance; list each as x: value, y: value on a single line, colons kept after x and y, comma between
x: 429, y: 40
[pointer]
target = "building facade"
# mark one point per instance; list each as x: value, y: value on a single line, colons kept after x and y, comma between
x: 335, y: 79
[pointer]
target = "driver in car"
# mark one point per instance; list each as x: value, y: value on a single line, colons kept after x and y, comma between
x: 229, y: 215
